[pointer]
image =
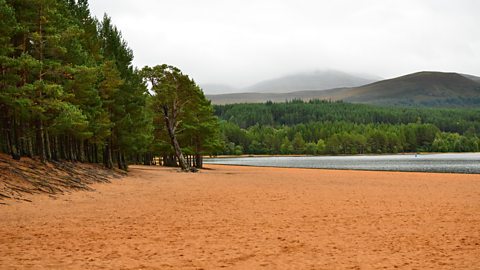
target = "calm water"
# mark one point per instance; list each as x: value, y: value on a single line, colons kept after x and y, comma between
x: 454, y: 163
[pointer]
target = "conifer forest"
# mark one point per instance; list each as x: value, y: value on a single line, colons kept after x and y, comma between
x: 69, y: 91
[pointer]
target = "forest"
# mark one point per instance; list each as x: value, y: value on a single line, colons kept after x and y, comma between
x: 69, y: 91
x: 323, y: 127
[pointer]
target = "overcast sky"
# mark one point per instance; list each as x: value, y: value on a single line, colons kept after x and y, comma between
x: 240, y: 42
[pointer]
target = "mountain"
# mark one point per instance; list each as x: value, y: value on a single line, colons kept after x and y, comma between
x: 318, y: 80
x: 421, y: 88
x: 275, y: 97
x: 214, y: 88
x: 471, y: 77
x: 417, y: 88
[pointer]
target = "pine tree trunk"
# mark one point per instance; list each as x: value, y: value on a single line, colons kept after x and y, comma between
x: 81, y: 152
x: 29, y: 146
x: 86, y: 151
x: 12, y: 141
x: 107, y: 155
x: 8, y: 142
x: 16, y: 137
x: 89, y: 152
x: 54, y: 148
x: 48, y: 150
x: 22, y: 139
x: 146, y: 159
x: 72, y: 149
x: 123, y: 161
x: 173, y: 138
x: 95, y: 153
x: 65, y: 146
x: 198, y: 161
x: 110, y: 155
x: 41, y: 141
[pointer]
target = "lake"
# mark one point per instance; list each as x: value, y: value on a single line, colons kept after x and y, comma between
x: 449, y: 163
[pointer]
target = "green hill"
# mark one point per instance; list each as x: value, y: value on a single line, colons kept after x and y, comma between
x: 434, y: 88
x: 421, y: 88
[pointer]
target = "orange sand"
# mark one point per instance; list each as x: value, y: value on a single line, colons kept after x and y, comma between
x: 250, y: 218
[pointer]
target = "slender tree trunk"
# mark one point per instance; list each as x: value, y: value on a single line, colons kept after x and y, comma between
x: 23, y: 139
x: 8, y: 142
x: 81, y: 152
x: 198, y: 161
x: 12, y: 147
x: 107, y: 155
x: 48, y: 150
x: 123, y: 161
x: 119, y: 164
x: 173, y: 138
x: 29, y: 146
x: 16, y: 137
x: 146, y: 159
x: 72, y: 149
x: 56, y: 150
x: 86, y: 151
x: 110, y: 155
x: 95, y: 153
x: 65, y: 146
x: 41, y: 141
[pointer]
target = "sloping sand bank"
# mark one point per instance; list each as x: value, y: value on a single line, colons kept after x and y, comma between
x: 250, y: 218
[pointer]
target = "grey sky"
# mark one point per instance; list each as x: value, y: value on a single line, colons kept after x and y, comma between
x: 242, y: 42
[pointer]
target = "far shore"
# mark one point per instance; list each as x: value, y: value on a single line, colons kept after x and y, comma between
x: 339, y: 155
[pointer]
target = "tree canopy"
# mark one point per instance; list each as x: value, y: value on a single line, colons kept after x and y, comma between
x: 69, y: 91
x: 186, y: 114
x: 323, y: 127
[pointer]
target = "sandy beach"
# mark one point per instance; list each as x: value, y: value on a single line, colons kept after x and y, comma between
x: 250, y: 218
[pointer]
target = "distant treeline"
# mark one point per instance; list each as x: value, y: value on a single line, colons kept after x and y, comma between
x: 323, y: 127
x: 69, y: 91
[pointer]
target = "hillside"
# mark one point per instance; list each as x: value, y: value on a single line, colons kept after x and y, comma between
x: 471, y: 77
x: 214, y: 88
x: 318, y: 80
x: 308, y: 81
x: 417, y: 88
x: 421, y: 88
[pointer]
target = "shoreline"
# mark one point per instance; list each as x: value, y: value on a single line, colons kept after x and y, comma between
x: 341, y: 169
x: 339, y: 155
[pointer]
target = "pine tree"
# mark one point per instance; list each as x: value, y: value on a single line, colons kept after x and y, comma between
x: 201, y: 128
x: 187, y: 115
x: 173, y: 94
x: 8, y: 80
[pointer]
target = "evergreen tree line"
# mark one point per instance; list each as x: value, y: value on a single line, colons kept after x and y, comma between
x: 323, y: 127
x: 69, y: 91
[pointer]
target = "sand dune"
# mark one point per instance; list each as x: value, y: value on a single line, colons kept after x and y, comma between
x: 250, y: 218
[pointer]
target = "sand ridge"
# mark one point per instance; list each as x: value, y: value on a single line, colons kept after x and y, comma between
x: 250, y: 218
